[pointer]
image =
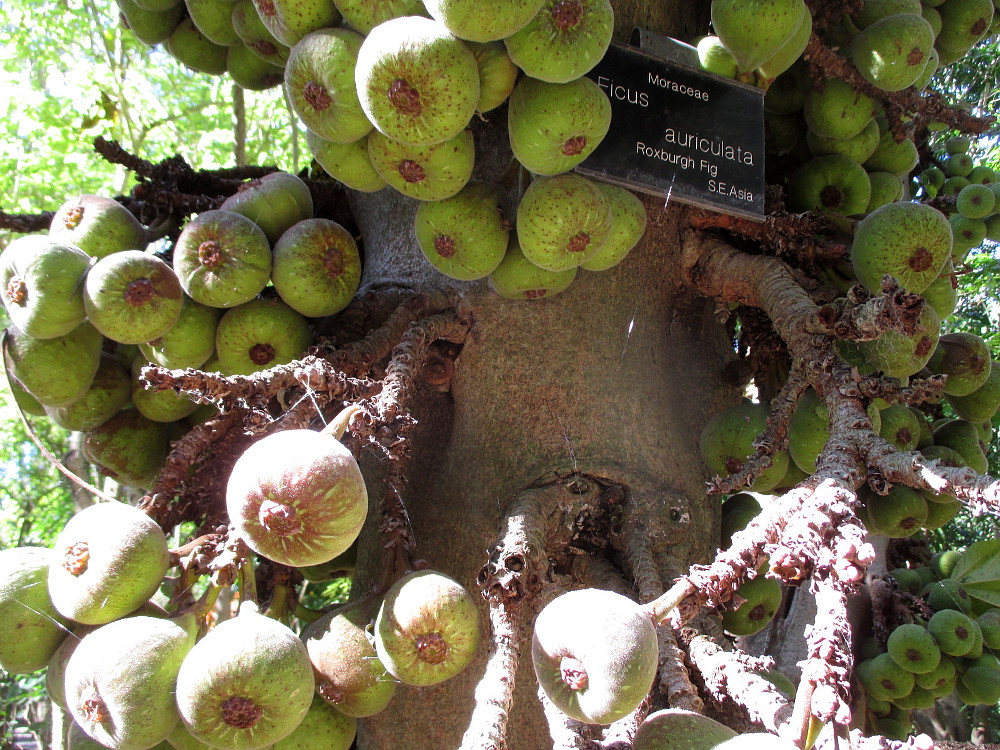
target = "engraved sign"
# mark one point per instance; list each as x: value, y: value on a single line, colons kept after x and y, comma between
x: 682, y: 133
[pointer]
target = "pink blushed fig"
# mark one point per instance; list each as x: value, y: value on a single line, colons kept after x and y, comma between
x: 297, y: 497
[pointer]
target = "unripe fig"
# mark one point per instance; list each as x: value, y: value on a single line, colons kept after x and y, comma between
x: 965, y: 359
x: 761, y: 599
x: 194, y: 50
x: 273, y: 202
x: 42, y: 287
x: 108, y: 394
x: 349, y: 675
x: 191, y: 340
x: 417, y: 82
x: 755, y: 31
x: 56, y: 371
x: 428, y: 628
x: 833, y: 183
x: 470, y: 20
x: 128, y: 447
x: 347, y: 162
x: 981, y: 404
x: 837, y: 110
x: 365, y: 15
x: 464, y: 236
x: 317, y: 267
x: 319, y: 81
x: 555, y: 126
x: 245, y: 685
x: 789, y: 53
x: 595, y: 654
x: 97, y: 225
x: 628, y: 225
x: 562, y: 221
x: 214, y: 20
x: 297, y: 497
x: 31, y: 628
x: 290, y: 20
x: 323, y: 728
x: 250, y: 71
x: 120, y: 680
x: 427, y: 173
x: 222, y: 259
x: 913, y: 648
x: 908, y: 241
x: 726, y: 443
x: 679, y: 729
x: 897, y: 157
x: 715, y: 57
x: 132, y: 297
x: 259, y: 334
x: 255, y: 35
x: 518, y: 278
x: 497, y: 74
x: 564, y: 40
x: 158, y: 406
x: 150, y: 26
x: 108, y: 560
x: 891, y: 53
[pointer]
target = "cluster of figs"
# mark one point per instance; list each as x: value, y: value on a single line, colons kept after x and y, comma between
x: 136, y: 670
x: 91, y: 305
x: 947, y: 642
x: 387, y: 91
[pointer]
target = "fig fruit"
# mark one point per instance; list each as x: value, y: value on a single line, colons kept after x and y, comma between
x: 319, y: 81
x: 290, y: 20
x: 913, y: 648
x: 323, y: 728
x: 317, y: 267
x: 245, y: 685
x: 273, y: 202
x: 555, y: 126
x: 128, y: 447
x: 761, y: 598
x: 349, y: 675
x: 108, y: 394
x: 259, y: 334
x: 417, y: 82
x: 564, y: 40
x: 43, y: 287
x: 297, y: 497
x: 31, y: 628
x: 965, y: 359
x: 516, y: 277
x: 595, y: 654
x: 222, y: 259
x: 347, y: 162
x: 97, y: 225
x: 679, y: 729
x: 56, y: 371
x: 108, y: 560
x: 464, y: 236
x: 475, y: 22
x: 756, y: 31
x: 562, y: 221
x: 120, y: 680
x: 427, y: 173
x: 428, y: 628
x: 628, y: 225
x: 191, y: 340
x: 132, y: 297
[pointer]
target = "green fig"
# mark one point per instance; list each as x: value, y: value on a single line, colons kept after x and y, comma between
x: 317, y: 267
x: 56, y: 371
x: 43, y: 287
x: 564, y: 40
x: 595, y: 654
x: 756, y: 31
x: 273, y: 202
x: 516, y: 277
x: 97, y: 225
x: 679, y: 729
x: 259, y: 334
x: 31, y: 628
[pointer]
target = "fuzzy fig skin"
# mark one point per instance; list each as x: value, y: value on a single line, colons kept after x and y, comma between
x: 595, y: 654
x: 30, y: 627
x: 297, y: 497
x: 428, y: 628
x: 245, y: 685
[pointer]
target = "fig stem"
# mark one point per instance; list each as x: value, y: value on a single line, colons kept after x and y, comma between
x: 660, y: 607
x: 341, y: 423
x: 277, y: 609
x: 203, y: 607
x: 306, y: 614
x: 248, y: 581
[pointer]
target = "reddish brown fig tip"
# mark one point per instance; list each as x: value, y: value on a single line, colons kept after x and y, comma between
x: 279, y: 518
x: 266, y: 7
x: 316, y: 96
x: 578, y: 242
x: 444, y: 246
x: 411, y: 171
x: 17, y: 291
x: 94, y: 710
x: 566, y: 14
x: 75, y: 558
x: 333, y: 262
x: 139, y: 292
x: 535, y: 293
x: 261, y: 354
x: 573, y: 673
x: 404, y: 98
x: 921, y: 260
x: 575, y: 145
x: 240, y: 712
x: 431, y: 648
x: 73, y: 217
x: 210, y: 253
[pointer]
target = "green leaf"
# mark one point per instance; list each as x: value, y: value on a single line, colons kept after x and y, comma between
x: 979, y: 563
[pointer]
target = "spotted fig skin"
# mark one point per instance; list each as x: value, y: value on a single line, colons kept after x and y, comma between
x: 428, y: 628
x: 132, y: 297
x: 259, y: 334
x: 245, y: 685
x: 564, y: 40
x: 222, y: 259
x: 57, y: 371
x: 562, y: 221
x: 97, y: 225
x: 317, y: 267
x: 417, y: 83
x: 319, y: 80
x: 120, y: 680
x: 107, y: 561
x: 476, y: 21
x: 297, y: 497
x: 42, y: 286
x: 595, y: 654
x: 427, y: 173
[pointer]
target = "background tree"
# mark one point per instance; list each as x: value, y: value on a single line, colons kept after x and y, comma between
x: 529, y: 447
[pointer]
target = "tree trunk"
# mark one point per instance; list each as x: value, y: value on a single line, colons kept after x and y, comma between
x: 611, y: 379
